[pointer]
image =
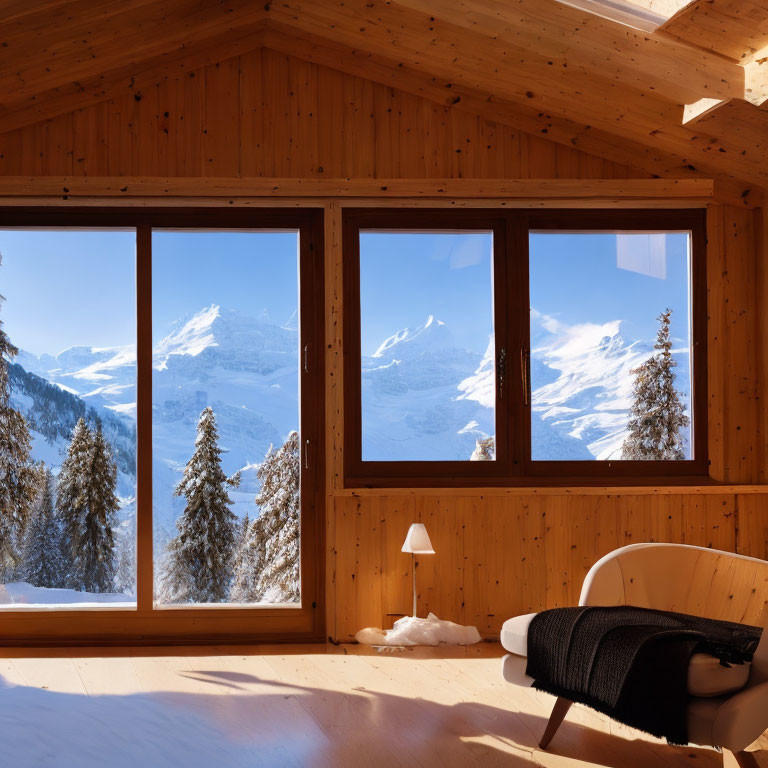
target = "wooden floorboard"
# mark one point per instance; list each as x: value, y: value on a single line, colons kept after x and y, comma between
x: 301, y: 705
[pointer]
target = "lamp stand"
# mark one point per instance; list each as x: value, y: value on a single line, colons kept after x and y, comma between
x: 413, y: 570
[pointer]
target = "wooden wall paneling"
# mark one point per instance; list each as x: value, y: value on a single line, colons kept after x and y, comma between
x: 434, y: 132
x: 500, y: 556
x: 147, y: 126
x: 752, y: 525
x: 304, y: 103
x: 359, y: 127
x: 277, y: 141
x: 542, y: 159
x: 396, y: 515
x: 716, y: 297
x: 221, y: 119
x: 386, y: 128
x: 740, y: 362
x: 208, y: 132
x: 190, y: 146
x: 411, y: 143
x: 167, y: 122
x: 251, y: 139
x: 761, y: 291
x: 532, y: 566
x: 331, y: 137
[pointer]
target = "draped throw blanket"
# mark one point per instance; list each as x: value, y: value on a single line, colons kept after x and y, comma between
x: 630, y: 663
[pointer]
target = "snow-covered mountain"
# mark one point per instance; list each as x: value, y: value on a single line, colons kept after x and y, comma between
x: 424, y: 395
x: 582, y: 387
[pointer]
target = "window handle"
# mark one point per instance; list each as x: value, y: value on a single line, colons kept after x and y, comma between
x: 306, y: 454
x: 524, y: 358
x: 502, y: 371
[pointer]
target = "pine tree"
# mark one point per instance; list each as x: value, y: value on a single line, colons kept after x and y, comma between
x: 270, y: 563
x: 88, y: 507
x: 125, y: 573
x: 72, y: 495
x: 200, y: 558
x: 17, y: 475
x: 485, y: 450
x: 249, y: 554
x: 42, y: 564
x: 94, y: 561
x: 657, y: 415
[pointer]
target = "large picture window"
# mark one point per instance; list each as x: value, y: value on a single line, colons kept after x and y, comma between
x: 162, y: 419
x: 594, y: 359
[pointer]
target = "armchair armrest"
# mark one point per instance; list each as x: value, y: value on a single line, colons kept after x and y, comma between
x: 741, y: 718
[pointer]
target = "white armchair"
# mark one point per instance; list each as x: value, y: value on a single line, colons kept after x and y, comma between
x: 696, y: 581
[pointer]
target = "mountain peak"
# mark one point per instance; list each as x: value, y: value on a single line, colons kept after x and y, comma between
x: 432, y: 333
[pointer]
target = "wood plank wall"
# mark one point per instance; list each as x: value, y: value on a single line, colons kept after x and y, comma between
x: 261, y: 115
x: 498, y: 554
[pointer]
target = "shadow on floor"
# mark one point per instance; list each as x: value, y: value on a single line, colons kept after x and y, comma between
x: 248, y: 721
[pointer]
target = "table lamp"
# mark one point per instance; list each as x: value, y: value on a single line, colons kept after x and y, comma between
x: 417, y: 543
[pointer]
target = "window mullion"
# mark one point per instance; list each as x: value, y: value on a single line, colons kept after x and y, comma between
x: 144, y: 575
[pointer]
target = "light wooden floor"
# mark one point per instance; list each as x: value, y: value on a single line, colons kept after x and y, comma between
x: 296, y: 706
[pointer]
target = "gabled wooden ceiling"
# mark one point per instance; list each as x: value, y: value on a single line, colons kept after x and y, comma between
x: 690, y: 98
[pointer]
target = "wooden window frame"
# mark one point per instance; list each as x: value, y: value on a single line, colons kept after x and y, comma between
x: 514, y: 467
x: 215, y: 623
x: 359, y: 473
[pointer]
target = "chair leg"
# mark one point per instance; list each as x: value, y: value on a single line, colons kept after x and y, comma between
x: 559, y: 711
x: 743, y: 759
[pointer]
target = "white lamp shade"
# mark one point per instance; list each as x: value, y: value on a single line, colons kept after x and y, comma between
x: 417, y: 541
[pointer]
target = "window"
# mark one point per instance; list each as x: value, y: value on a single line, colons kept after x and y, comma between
x: 225, y: 416
x: 68, y: 400
x: 426, y: 322
x: 170, y: 377
x: 591, y: 324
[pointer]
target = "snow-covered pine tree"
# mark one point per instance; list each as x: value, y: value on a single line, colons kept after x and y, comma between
x: 87, y: 506
x: 125, y: 557
x: 273, y: 545
x: 18, y: 481
x: 199, y: 565
x: 485, y: 450
x: 94, y: 556
x: 72, y: 496
x: 657, y: 415
x: 250, y: 553
x: 42, y: 563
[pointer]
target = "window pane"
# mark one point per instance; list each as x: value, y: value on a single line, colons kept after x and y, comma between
x: 610, y: 346
x: 68, y: 410
x: 427, y: 346
x: 225, y: 416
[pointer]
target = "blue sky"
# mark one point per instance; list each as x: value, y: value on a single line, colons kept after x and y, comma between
x: 251, y: 272
x: 66, y: 288
x: 575, y: 278
x: 78, y: 287
x: 405, y: 277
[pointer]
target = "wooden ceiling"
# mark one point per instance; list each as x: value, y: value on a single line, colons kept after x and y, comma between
x: 689, y: 98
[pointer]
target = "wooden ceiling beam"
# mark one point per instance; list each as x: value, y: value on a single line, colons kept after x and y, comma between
x: 736, y: 29
x: 577, y: 39
x: 129, y: 79
x: 478, y: 63
x: 39, y: 56
x: 523, y: 117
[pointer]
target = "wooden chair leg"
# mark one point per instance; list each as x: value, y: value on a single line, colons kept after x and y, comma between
x: 743, y: 759
x: 559, y: 711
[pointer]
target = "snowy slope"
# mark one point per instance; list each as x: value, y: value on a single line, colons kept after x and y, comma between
x: 424, y: 396
x: 582, y: 387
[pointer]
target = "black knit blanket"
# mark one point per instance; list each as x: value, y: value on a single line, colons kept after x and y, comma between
x: 630, y: 663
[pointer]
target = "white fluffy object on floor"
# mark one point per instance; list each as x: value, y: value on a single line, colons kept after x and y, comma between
x: 411, y: 630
